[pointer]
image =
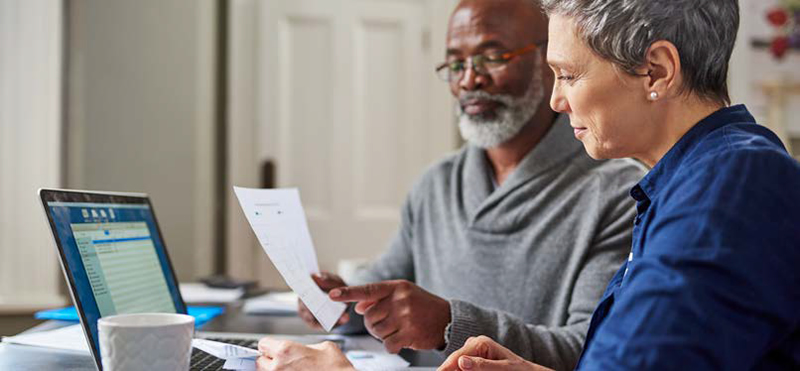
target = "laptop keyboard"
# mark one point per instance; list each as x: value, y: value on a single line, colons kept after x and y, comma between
x: 202, y: 361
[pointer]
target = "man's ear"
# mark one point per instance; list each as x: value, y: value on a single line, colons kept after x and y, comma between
x: 663, y: 65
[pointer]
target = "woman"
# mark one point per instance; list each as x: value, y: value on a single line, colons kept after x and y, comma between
x: 711, y: 282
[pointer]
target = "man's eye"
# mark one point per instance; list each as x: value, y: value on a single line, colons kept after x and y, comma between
x: 456, y: 66
x: 566, y: 77
x: 494, y: 59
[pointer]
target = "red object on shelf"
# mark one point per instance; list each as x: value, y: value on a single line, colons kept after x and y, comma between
x: 779, y: 46
x: 778, y: 17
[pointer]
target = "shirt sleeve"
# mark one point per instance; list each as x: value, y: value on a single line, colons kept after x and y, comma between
x: 716, y: 283
x: 557, y: 347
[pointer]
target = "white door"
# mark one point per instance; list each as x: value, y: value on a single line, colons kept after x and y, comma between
x: 348, y: 110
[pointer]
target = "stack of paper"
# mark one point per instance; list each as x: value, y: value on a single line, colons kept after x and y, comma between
x: 279, y: 222
x: 280, y: 303
x: 368, y: 354
x: 194, y: 292
x: 64, y: 338
x: 376, y: 361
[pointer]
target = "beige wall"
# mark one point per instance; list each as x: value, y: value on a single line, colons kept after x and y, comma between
x: 752, y: 67
x: 141, y: 113
x: 30, y: 150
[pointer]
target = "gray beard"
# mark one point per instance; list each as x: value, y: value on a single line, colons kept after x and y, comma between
x: 509, y: 119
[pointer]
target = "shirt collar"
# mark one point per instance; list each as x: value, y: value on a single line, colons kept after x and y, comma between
x: 665, y: 169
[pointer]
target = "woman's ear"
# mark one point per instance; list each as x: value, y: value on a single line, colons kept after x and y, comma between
x: 664, y: 64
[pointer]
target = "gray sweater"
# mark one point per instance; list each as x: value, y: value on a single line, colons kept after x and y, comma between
x: 526, y: 263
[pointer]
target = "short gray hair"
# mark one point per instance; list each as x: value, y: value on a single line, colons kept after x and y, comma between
x: 622, y: 31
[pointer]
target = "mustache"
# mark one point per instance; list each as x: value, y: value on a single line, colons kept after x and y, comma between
x: 466, y: 97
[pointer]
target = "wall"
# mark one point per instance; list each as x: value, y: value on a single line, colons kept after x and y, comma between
x: 141, y: 113
x: 752, y: 67
x: 30, y: 151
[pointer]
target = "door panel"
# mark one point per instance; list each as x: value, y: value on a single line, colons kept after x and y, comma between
x: 306, y: 109
x: 348, y: 108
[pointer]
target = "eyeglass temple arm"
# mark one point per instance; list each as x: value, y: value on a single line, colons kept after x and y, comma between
x: 519, y: 52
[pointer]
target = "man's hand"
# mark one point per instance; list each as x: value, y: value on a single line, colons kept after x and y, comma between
x: 326, y: 282
x: 288, y: 355
x: 400, y: 313
x: 484, y: 354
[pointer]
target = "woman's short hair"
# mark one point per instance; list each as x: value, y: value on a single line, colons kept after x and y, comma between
x: 622, y: 31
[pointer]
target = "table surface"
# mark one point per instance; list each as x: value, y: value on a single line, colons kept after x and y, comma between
x: 23, y: 358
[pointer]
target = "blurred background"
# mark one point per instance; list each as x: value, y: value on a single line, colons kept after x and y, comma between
x: 182, y: 99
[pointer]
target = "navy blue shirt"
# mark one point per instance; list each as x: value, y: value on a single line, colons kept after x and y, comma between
x: 713, y: 281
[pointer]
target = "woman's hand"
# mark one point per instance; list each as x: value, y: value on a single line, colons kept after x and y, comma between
x: 484, y: 354
x: 288, y: 355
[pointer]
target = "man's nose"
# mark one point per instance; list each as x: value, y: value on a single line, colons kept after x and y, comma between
x: 471, y: 80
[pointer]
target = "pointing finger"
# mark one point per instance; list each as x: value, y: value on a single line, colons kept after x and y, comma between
x: 371, y: 292
x: 326, y: 281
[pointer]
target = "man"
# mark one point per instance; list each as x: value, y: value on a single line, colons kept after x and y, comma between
x: 520, y: 206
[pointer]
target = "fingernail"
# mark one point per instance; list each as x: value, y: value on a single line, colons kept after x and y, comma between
x: 335, y: 293
x: 465, y: 363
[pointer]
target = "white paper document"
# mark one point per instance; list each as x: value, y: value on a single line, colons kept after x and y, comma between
x: 236, y: 357
x: 368, y: 354
x: 224, y: 350
x: 243, y: 364
x: 193, y: 292
x: 376, y: 361
x: 362, y: 361
x: 272, y: 303
x: 65, y: 338
x: 279, y: 222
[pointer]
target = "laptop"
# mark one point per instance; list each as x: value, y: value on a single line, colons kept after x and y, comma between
x: 115, y: 261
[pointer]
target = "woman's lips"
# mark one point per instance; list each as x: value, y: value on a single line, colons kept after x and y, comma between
x: 579, y: 131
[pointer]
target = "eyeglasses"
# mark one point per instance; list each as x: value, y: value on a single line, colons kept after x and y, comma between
x: 482, y: 64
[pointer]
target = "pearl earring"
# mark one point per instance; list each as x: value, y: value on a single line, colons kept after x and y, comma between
x: 653, y: 95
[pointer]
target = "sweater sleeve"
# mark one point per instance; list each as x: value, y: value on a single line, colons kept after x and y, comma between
x: 557, y: 347
x: 396, y: 263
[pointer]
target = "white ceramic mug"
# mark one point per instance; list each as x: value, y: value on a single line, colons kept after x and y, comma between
x: 146, y: 341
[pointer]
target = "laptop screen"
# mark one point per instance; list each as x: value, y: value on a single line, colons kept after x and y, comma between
x: 113, y: 255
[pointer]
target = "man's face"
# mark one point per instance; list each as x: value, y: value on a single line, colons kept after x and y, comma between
x: 493, y: 107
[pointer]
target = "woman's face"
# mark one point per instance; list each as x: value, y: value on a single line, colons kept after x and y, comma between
x: 608, y: 108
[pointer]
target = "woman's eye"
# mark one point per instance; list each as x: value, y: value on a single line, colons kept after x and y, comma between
x: 566, y: 77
